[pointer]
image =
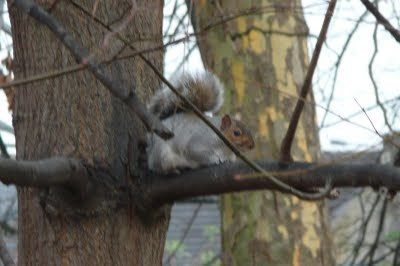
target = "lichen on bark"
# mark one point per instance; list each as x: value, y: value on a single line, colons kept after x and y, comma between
x: 262, y: 58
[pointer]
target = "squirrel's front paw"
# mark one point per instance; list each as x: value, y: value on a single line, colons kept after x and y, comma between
x: 175, y: 171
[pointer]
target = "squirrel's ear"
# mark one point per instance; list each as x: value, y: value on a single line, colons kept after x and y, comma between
x: 226, y: 122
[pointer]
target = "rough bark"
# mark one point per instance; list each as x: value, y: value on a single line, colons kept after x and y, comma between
x: 260, y: 69
x: 75, y: 115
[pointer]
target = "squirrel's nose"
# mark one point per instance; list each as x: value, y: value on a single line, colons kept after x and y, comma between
x: 251, y: 144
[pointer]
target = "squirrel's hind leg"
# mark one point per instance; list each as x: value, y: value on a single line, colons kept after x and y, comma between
x: 173, y: 162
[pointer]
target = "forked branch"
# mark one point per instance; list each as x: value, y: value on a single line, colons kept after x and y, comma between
x: 382, y: 20
x: 285, y: 154
x: 236, y: 177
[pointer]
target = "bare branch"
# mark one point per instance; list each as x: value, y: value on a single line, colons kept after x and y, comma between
x: 44, y: 76
x: 81, y: 54
x: 5, y: 255
x: 56, y: 171
x: 376, y: 131
x: 372, y: 78
x: 6, y: 128
x: 184, y: 235
x: 218, y: 179
x: 3, y: 149
x: 79, y: 67
x: 122, y: 25
x: 396, y: 257
x: 337, y: 65
x: 363, y: 230
x: 184, y: 60
x: 287, y: 141
x: 347, y: 118
x: 374, y: 246
x: 382, y: 20
x: 234, y: 177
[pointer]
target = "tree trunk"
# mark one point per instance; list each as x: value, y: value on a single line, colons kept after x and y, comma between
x: 75, y: 115
x: 262, y: 59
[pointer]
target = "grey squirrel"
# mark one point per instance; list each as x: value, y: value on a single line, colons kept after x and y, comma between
x: 194, y: 144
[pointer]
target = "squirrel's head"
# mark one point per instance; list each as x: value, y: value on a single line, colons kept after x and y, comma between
x: 237, y: 133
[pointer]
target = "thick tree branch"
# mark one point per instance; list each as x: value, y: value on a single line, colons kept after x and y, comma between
x: 56, y: 171
x: 287, y: 141
x: 198, y: 182
x: 218, y: 179
x: 382, y: 20
x: 81, y: 54
x: 235, y: 177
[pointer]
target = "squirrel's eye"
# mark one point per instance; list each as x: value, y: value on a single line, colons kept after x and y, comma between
x: 237, y: 132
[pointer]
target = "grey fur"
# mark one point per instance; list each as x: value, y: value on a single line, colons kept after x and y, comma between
x: 193, y: 145
x: 204, y: 90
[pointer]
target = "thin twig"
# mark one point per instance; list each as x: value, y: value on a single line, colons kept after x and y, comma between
x: 79, y: 67
x: 44, y: 76
x: 5, y: 255
x: 179, y: 24
x: 6, y: 128
x: 370, y: 254
x: 121, y: 26
x: 213, y: 260
x: 172, y: 16
x: 81, y: 54
x: 382, y: 257
x: 184, y: 60
x: 363, y: 229
x: 338, y: 62
x: 285, y: 152
x: 347, y: 118
x: 396, y: 257
x: 72, y: 69
x: 342, y: 118
x: 382, y: 20
x: 372, y: 78
x: 390, y: 140
x: 373, y: 126
x: 3, y: 149
x: 184, y: 235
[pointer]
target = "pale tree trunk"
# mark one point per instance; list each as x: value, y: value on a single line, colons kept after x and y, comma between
x: 75, y: 115
x: 260, y: 69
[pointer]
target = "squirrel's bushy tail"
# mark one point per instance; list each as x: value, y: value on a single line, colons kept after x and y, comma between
x: 204, y: 90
